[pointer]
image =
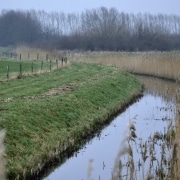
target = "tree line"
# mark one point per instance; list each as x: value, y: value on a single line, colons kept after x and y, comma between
x: 95, y: 29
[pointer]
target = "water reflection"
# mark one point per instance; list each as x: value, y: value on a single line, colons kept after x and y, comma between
x: 154, y: 117
x: 157, y: 87
x: 103, y: 157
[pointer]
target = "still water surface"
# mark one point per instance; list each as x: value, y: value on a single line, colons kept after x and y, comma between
x: 100, y: 158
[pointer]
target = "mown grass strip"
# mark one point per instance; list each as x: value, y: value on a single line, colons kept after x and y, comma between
x: 37, y: 130
x: 42, y: 83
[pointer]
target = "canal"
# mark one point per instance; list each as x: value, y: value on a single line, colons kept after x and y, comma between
x: 137, y: 144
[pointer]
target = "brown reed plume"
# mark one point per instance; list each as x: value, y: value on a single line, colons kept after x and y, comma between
x: 125, y: 149
x: 2, y: 155
x: 176, y: 146
x: 160, y: 64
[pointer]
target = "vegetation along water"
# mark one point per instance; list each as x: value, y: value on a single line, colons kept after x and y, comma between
x: 137, y: 144
x: 48, y: 114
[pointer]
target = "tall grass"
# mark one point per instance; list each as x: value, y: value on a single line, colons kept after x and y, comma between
x: 161, y: 64
x: 2, y: 155
x: 29, y: 53
x: 176, y: 152
x: 138, y: 159
x: 171, y: 94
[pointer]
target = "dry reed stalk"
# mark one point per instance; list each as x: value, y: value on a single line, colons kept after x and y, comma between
x: 148, y: 155
x: 176, y: 150
x: 2, y: 154
x: 161, y: 64
x: 28, y: 53
x: 117, y: 170
x: 125, y: 149
x: 24, y: 51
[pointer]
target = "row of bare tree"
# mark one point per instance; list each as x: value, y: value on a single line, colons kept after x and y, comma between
x: 96, y: 29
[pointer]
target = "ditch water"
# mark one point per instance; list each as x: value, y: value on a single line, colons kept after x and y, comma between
x: 116, y: 153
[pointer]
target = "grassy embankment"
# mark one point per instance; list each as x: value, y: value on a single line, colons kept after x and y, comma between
x: 47, y: 114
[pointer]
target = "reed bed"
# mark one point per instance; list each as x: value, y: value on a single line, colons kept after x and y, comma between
x: 28, y: 53
x: 176, y: 150
x: 171, y: 94
x: 139, y: 159
x: 2, y: 155
x: 160, y: 64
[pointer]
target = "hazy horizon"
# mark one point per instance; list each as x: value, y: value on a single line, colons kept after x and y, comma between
x: 78, y: 6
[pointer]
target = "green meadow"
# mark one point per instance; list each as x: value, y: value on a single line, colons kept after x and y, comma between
x: 14, y: 67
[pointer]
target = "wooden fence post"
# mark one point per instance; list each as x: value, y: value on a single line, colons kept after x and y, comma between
x: 37, y: 56
x: 32, y: 68
x: 41, y: 66
x: 7, y: 71
x: 62, y: 61
x: 20, y: 56
x: 50, y: 65
x: 46, y: 57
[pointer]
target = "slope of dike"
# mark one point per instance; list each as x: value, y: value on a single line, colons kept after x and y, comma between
x: 47, y: 115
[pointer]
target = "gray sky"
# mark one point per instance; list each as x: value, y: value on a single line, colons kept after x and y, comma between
x: 68, y: 6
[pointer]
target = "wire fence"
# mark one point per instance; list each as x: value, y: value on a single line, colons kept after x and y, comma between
x: 13, y: 65
x: 33, y: 56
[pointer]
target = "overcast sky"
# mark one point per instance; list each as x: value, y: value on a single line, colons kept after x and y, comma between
x: 68, y: 6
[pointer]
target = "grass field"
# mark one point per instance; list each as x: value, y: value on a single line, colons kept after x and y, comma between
x: 44, y: 115
x: 12, y: 67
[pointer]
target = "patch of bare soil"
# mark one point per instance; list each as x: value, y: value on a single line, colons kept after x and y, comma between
x: 6, y: 100
x: 66, y: 88
x: 62, y: 89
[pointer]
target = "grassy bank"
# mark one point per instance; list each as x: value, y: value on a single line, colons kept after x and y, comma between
x: 48, y: 114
